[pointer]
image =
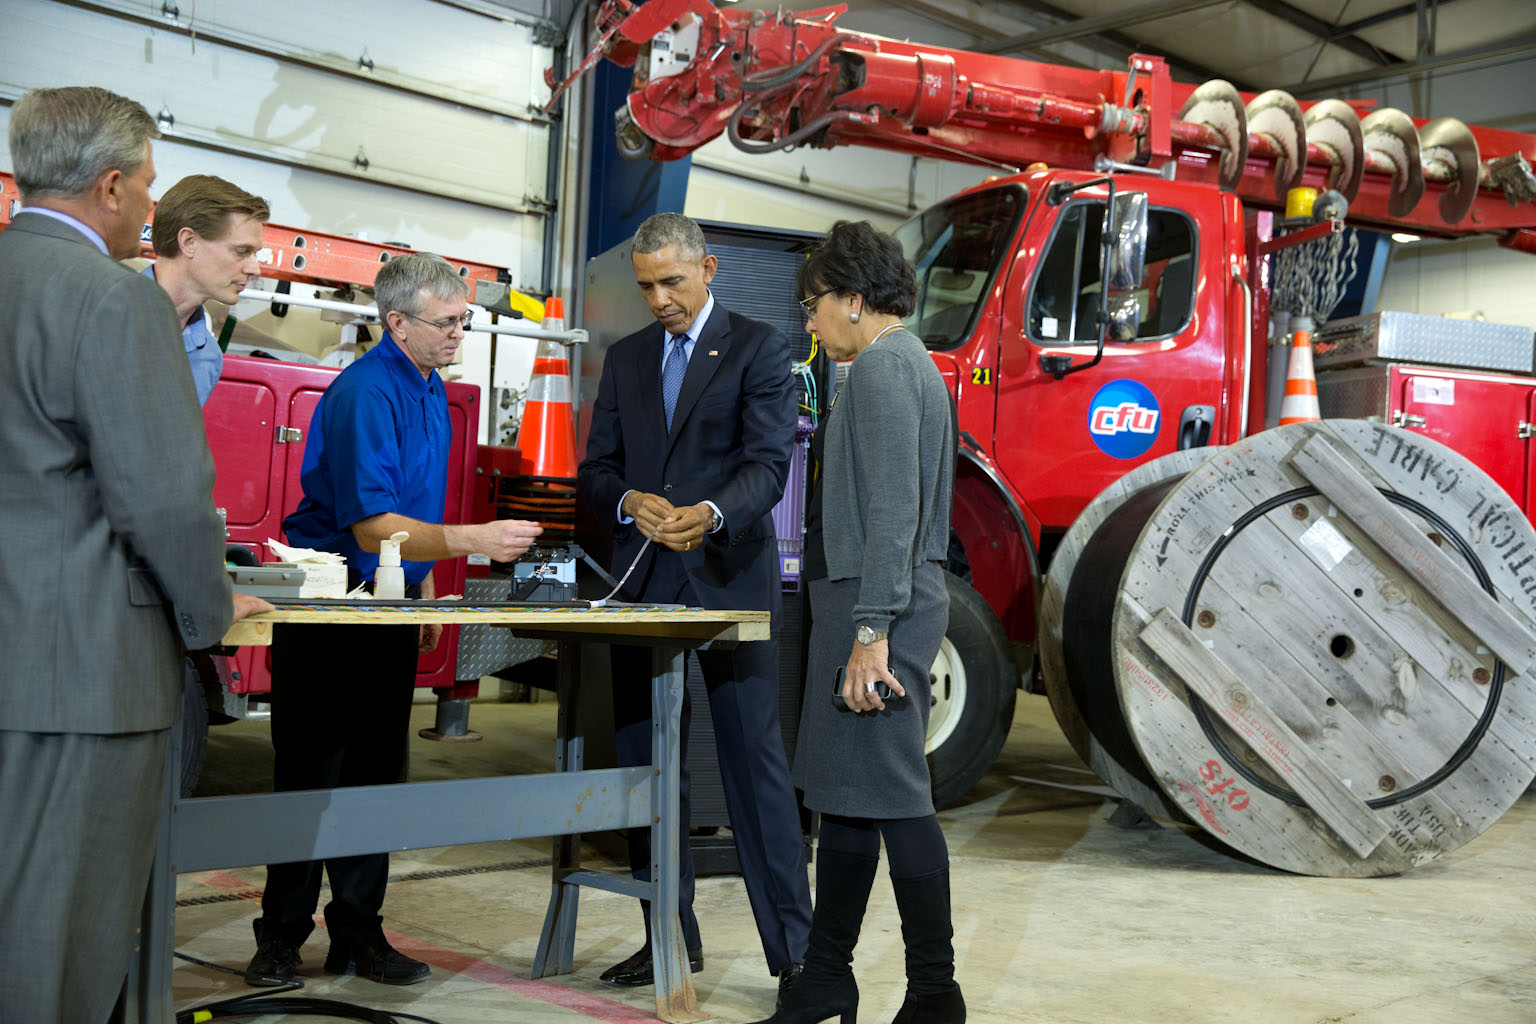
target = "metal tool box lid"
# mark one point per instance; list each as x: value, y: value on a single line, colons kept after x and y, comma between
x: 1420, y: 338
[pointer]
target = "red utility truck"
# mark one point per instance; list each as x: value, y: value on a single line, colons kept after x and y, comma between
x: 1062, y: 384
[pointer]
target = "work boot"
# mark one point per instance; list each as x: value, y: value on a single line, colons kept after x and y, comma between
x: 933, y: 997
x: 273, y: 963
x: 372, y: 957
x: 825, y: 988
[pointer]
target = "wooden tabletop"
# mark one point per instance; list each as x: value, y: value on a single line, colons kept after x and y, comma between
x: 631, y: 622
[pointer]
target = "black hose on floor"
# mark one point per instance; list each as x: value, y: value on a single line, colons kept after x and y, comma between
x: 298, y: 1006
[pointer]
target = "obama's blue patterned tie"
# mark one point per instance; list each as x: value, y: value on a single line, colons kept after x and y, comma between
x: 672, y: 375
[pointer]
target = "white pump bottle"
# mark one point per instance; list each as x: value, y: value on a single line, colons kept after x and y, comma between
x: 389, y: 580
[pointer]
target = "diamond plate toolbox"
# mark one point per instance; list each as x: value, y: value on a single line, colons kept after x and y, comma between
x: 485, y: 649
x: 1356, y: 393
x: 1419, y: 338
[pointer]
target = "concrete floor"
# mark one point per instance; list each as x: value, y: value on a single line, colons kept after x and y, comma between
x: 1060, y: 917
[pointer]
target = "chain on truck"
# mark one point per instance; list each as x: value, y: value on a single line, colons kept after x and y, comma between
x: 1172, y: 195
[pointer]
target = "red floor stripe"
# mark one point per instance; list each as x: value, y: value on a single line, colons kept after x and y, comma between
x: 594, y: 1006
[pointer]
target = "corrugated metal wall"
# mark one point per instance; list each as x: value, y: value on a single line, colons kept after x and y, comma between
x: 436, y: 146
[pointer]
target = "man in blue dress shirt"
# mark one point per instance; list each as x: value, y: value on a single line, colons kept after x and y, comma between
x: 375, y: 462
x: 206, y: 235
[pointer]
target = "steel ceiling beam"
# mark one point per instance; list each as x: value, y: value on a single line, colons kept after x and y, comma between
x: 1096, y: 25
x: 1380, y: 19
x: 1428, y: 20
x: 987, y: 22
x: 1325, y: 32
x: 967, y: 15
x: 1521, y: 46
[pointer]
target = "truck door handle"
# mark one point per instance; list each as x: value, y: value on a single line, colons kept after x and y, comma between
x: 1403, y: 419
x: 287, y: 434
x: 1195, y: 426
x: 1527, y: 430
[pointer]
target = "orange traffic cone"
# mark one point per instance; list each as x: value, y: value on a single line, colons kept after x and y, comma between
x: 1299, y: 405
x: 546, y: 442
x: 547, y: 436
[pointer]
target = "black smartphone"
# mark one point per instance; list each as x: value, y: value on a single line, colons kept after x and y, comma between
x: 882, y: 689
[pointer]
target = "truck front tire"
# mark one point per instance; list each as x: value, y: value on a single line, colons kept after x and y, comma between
x: 974, y: 687
x: 193, y: 727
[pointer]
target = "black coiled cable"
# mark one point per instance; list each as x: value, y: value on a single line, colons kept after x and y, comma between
x: 269, y: 1002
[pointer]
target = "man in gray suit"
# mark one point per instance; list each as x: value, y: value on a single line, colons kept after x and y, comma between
x: 111, y: 553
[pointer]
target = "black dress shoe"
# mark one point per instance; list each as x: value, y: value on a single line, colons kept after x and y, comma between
x: 273, y: 963
x: 639, y: 970
x: 375, y: 960
x: 787, y: 978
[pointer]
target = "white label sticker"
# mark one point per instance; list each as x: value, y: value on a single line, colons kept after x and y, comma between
x: 1047, y: 327
x: 1327, y: 546
x: 1434, y: 391
x: 479, y: 559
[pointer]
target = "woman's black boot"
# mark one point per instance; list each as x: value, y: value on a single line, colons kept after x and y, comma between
x: 826, y: 987
x: 933, y: 997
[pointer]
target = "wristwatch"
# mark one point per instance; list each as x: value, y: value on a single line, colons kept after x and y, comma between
x: 714, y: 520
x: 867, y: 636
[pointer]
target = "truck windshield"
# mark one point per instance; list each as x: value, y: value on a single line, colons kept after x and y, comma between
x: 957, y: 247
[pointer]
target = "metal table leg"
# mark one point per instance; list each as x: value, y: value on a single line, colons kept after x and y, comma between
x: 557, y: 941
x: 675, y: 997
x: 199, y: 835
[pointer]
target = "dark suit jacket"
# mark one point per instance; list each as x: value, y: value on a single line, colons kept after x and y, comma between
x: 109, y: 542
x: 732, y: 434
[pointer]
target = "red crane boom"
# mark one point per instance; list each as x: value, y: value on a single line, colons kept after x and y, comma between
x: 774, y: 81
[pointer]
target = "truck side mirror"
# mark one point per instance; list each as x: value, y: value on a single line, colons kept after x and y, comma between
x: 1123, y: 316
x: 1125, y: 232
x: 1122, y: 261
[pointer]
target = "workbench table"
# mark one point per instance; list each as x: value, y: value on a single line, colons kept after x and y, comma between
x: 235, y: 831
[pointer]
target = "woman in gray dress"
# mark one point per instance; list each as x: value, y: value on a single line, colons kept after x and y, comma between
x: 877, y: 537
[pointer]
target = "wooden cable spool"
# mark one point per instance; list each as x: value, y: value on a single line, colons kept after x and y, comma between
x: 1319, y: 646
x: 1121, y: 768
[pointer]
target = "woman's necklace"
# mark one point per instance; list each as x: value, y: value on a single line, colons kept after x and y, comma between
x: 883, y: 332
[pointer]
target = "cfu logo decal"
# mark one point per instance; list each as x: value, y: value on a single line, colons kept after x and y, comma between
x: 1123, y: 419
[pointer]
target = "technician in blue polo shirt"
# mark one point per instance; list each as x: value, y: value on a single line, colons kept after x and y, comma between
x: 375, y: 462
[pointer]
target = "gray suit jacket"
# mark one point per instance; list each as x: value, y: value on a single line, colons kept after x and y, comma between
x: 109, y: 542
x: 888, y: 475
